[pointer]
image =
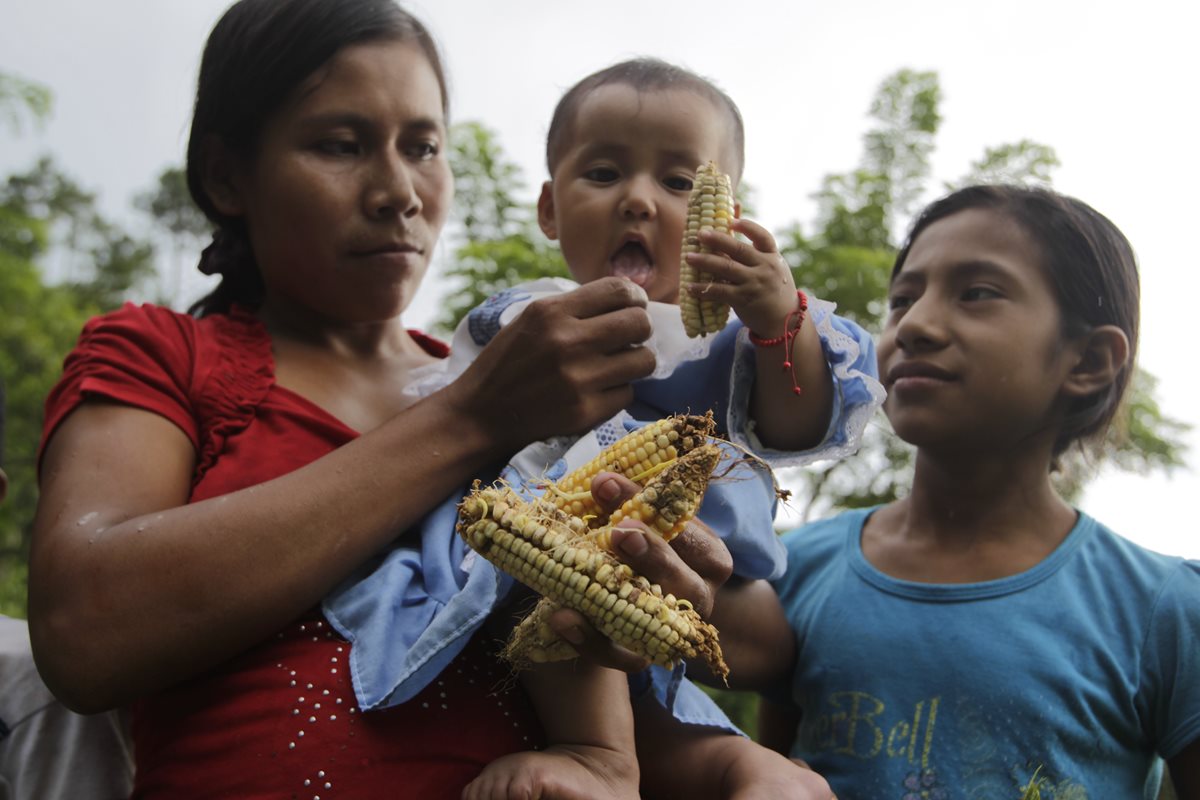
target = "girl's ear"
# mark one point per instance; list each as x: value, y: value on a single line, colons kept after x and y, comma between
x: 219, y: 177
x: 1103, y: 351
x: 545, y: 211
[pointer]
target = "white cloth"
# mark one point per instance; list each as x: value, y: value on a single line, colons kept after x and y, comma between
x: 48, y: 752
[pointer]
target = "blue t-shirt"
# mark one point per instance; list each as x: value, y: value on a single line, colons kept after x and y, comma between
x: 1084, y: 670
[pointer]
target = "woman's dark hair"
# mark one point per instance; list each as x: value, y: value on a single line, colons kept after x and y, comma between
x: 1091, y: 266
x: 256, y: 55
x: 3, y: 407
x: 643, y: 75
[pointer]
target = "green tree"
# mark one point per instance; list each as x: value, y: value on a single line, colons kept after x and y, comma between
x: 181, y: 223
x: 497, y: 241
x: 38, y: 323
x: 47, y: 223
x: 20, y: 98
x: 849, y: 257
x: 85, y: 249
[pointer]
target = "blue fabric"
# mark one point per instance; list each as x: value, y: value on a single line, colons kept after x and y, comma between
x: 411, y: 612
x: 408, y: 614
x: 1082, y: 669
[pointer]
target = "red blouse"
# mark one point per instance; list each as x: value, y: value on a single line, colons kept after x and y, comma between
x: 280, y: 720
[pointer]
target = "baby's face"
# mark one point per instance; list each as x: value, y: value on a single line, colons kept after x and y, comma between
x: 617, y: 201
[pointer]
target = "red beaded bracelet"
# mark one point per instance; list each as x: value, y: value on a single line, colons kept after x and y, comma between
x: 789, y: 333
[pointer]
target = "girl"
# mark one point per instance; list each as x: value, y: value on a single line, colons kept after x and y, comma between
x: 207, y: 480
x: 980, y: 637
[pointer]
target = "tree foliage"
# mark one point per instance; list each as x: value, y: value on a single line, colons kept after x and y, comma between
x: 181, y: 224
x: 847, y: 256
x: 20, y: 98
x: 496, y: 239
x: 849, y: 259
x: 61, y: 261
x: 38, y: 323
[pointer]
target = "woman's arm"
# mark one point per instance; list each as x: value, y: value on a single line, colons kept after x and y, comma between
x: 1185, y: 772
x: 777, y: 725
x: 757, y: 640
x: 132, y: 588
x: 691, y: 761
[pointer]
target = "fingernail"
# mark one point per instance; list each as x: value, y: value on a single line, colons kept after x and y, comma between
x: 607, y: 491
x: 634, y: 544
x: 573, y: 635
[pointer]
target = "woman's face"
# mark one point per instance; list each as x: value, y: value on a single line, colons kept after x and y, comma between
x: 350, y: 186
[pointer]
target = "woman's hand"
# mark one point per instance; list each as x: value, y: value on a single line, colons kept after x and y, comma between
x: 693, y: 565
x: 565, y: 364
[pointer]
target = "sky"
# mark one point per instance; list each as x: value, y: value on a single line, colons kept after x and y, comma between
x: 1109, y: 85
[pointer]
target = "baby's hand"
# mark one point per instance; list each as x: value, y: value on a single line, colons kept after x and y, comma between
x: 751, y: 277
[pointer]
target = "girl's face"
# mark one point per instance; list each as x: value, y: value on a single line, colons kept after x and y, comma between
x: 972, y: 354
x: 350, y: 185
x: 617, y: 201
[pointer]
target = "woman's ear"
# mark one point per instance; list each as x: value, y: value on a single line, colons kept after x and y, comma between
x: 545, y: 211
x: 1103, y: 351
x: 218, y: 175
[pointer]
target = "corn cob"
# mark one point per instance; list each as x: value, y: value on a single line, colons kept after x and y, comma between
x: 542, y: 547
x: 671, y: 497
x: 710, y: 207
x: 636, y: 456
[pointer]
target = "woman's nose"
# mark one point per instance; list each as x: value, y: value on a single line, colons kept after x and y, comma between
x: 392, y: 192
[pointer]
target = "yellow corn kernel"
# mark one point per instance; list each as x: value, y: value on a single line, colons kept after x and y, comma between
x: 636, y: 455
x: 515, y: 534
x: 670, y: 499
x: 710, y: 207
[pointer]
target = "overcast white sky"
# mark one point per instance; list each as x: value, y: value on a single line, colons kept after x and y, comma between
x: 1110, y: 85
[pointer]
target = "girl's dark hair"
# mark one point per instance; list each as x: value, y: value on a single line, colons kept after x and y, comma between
x: 1091, y: 266
x: 256, y: 55
x: 643, y: 75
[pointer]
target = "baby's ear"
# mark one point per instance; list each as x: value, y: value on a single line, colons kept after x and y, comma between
x: 545, y: 211
x: 1103, y: 351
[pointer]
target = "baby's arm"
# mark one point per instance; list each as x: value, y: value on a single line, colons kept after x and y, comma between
x: 756, y: 639
x: 753, y: 278
x: 586, y: 715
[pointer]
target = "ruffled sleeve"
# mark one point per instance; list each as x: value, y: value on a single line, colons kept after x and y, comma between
x: 205, y: 376
x: 850, y: 353
x: 237, y: 370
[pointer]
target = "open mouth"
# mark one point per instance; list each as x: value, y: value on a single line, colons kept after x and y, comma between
x: 632, y: 261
